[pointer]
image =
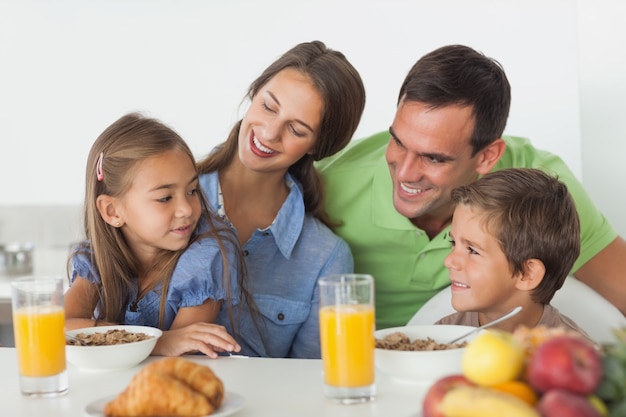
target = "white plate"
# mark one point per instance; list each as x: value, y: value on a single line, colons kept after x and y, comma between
x: 232, y: 403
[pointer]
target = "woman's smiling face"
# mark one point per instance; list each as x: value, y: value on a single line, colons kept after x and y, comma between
x: 282, y: 123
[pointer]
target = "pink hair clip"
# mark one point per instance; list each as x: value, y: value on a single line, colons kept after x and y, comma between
x: 99, y: 173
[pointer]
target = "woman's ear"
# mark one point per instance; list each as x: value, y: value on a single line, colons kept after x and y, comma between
x: 534, y: 271
x: 106, y: 207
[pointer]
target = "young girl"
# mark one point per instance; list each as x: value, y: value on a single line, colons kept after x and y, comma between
x: 154, y: 254
x: 303, y: 107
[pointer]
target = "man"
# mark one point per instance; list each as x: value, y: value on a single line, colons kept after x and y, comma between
x: 392, y: 191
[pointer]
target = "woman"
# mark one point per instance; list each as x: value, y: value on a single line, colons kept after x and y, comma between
x: 303, y: 107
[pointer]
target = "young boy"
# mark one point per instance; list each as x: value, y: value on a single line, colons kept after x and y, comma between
x: 515, y: 235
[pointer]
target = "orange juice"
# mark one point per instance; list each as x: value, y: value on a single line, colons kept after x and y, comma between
x: 40, y: 340
x: 347, y: 342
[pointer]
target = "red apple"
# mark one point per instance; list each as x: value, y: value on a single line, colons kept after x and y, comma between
x: 563, y: 403
x: 434, y: 395
x: 569, y: 362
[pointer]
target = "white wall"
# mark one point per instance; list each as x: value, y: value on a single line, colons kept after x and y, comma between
x: 602, y: 46
x: 69, y: 68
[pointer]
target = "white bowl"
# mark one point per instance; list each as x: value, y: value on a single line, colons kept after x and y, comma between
x: 422, y: 366
x: 119, y: 356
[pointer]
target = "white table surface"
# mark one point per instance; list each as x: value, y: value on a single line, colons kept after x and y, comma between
x: 271, y: 388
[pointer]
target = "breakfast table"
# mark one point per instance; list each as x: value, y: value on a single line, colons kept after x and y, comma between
x: 266, y: 387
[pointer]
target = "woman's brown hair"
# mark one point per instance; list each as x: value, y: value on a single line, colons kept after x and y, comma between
x: 343, y: 95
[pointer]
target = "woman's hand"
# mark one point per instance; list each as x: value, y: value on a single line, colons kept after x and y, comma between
x: 207, y: 338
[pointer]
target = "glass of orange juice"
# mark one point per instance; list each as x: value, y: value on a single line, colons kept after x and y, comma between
x: 39, y: 332
x: 347, y: 340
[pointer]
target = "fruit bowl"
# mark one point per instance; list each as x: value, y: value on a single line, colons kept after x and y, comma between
x: 533, y: 372
x: 424, y: 366
x: 112, y: 356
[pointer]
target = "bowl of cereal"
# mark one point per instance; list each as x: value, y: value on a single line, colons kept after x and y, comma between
x: 420, y: 353
x: 110, y: 347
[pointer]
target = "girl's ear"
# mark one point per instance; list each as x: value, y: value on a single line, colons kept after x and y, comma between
x: 534, y: 271
x: 108, y: 212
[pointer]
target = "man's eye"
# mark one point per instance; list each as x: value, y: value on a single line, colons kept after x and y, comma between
x: 397, y: 141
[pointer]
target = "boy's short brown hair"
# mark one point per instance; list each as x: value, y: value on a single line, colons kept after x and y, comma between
x: 533, y: 216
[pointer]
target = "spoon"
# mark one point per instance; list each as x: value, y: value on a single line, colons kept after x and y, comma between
x: 235, y: 356
x: 484, y: 326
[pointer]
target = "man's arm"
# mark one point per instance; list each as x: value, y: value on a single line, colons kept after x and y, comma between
x: 606, y: 273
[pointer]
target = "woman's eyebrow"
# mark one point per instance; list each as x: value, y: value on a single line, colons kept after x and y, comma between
x: 297, y: 120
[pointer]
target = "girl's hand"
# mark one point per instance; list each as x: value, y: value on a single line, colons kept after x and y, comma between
x: 207, y: 338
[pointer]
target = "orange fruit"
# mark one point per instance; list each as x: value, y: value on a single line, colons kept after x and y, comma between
x: 531, y: 337
x: 520, y: 389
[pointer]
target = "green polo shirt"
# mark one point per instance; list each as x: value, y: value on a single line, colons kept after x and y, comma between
x: 407, y: 266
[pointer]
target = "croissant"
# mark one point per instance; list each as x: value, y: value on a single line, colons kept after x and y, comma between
x: 173, y: 387
x: 198, y: 377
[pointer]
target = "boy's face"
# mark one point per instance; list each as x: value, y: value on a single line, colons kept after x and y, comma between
x: 480, y: 275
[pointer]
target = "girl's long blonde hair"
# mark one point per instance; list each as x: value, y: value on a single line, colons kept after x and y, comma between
x: 125, y: 143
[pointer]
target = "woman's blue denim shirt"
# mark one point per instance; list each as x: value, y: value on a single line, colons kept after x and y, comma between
x: 284, y: 262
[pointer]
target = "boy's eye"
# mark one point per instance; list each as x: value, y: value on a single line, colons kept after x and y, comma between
x: 164, y: 199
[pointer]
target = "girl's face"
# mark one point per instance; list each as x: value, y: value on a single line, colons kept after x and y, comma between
x: 480, y: 275
x: 282, y: 123
x: 162, y: 206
